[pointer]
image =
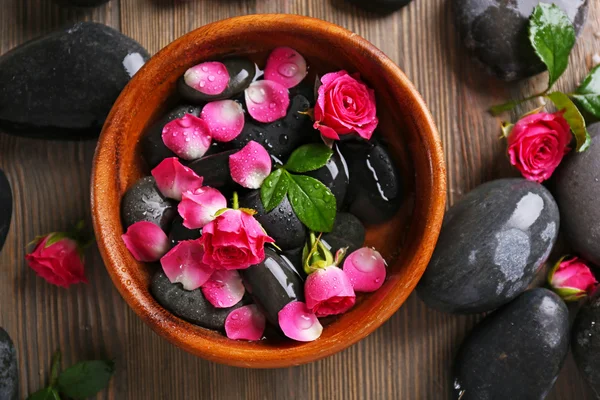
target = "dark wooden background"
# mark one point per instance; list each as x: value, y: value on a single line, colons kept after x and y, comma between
x: 407, y: 358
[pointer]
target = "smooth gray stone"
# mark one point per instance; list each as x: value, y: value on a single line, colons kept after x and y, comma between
x: 190, y: 305
x: 62, y: 85
x: 144, y: 202
x: 6, y: 206
x: 496, y: 32
x: 577, y: 190
x: 9, y: 373
x: 516, y: 352
x: 585, y: 344
x: 490, y: 247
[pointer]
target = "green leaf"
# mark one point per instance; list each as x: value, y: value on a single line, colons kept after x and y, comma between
x: 500, y: 108
x: 313, y: 202
x: 44, y: 394
x: 506, y: 128
x: 86, y: 378
x: 55, y: 369
x: 308, y: 158
x: 573, y: 117
x: 55, y: 238
x: 552, y: 36
x: 274, y: 189
x: 588, y: 93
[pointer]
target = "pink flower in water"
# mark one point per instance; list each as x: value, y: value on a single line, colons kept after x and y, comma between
x: 245, y: 323
x: 210, y: 78
x: 538, y: 143
x: 285, y: 66
x: 173, y: 178
x: 345, y: 104
x: 234, y: 240
x: 328, y: 291
x: 224, y: 289
x: 184, y: 264
x: 299, y: 323
x: 146, y: 241
x: 366, y: 269
x: 58, y: 259
x: 225, y: 119
x: 250, y: 166
x: 199, y: 207
x: 267, y: 101
x: 188, y: 137
x: 572, y: 279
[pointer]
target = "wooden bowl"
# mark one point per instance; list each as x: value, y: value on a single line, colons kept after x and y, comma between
x: 406, y: 241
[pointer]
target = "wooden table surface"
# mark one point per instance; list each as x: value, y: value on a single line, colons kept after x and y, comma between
x: 408, y: 358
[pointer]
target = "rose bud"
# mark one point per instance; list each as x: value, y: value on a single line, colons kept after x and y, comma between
x: 184, y: 264
x: 209, y: 78
x: 366, y: 270
x: 146, y: 241
x: 538, y: 143
x: 224, y: 289
x: 572, y: 279
x: 267, y: 101
x: 345, y: 104
x: 188, y: 137
x: 58, y: 257
x: 173, y: 178
x: 250, y: 166
x: 199, y: 207
x: 245, y: 323
x: 299, y: 323
x: 225, y: 119
x: 234, y: 240
x: 285, y: 66
x: 328, y: 291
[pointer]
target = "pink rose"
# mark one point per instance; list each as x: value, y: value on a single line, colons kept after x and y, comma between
x: 328, y: 291
x: 234, y: 240
x: 572, y: 279
x: 538, y: 143
x: 58, y: 259
x: 345, y: 105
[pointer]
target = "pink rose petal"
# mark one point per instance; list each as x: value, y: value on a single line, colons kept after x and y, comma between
x: 245, y: 323
x: 267, y: 101
x: 225, y: 119
x: 328, y: 291
x: 188, y: 137
x: 173, y: 178
x: 285, y: 66
x: 250, y: 166
x: 298, y: 323
x: 199, y: 207
x: 184, y: 264
x: 224, y: 288
x: 146, y: 241
x: 366, y: 270
x: 209, y: 78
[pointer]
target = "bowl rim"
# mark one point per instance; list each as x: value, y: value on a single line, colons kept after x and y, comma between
x: 186, y: 338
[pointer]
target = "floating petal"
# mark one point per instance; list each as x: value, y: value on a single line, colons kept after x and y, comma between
x: 209, y: 78
x: 366, y: 269
x: 250, y: 166
x: 285, y: 66
x: 146, y: 241
x: 173, y: 178
x: 224, y: 288
x: 267, y: 101
x: 188, y: 137
x: 245, y: 323
x: 184, y: 264
x: 199, y: 207
x: 225, y: 119
x: 298, y: 323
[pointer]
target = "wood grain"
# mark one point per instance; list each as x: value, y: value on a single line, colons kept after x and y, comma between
x: 409, y: 357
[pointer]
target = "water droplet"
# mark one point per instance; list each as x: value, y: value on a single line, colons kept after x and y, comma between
x: 377, y: 280
x: 288, y: 69
x: 218, y: 72
x: 205, y: 69
x: 211, y: 78
x: 272, y: 105
x: 303, y: 322
x: 270, y: 184
x: 316, y: 186
x: 235, y: 316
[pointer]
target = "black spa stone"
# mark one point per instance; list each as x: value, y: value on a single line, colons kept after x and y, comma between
x: 347, y: 231
x: 190, y: 305
x: 6, y: 206
x: 273, y: 283
x: 380, y: 6
x: 490, y: 247
x: 215, y: 170
x: 144, y: 202
x: 496, y: 32
x: 179, y: 233
x: 241, y: 73
x: 334, y: 175
x: 9, y: 372
x: 281, y: 223
x: 585, y: 344
x: 516, y: 352
x: 82, y: 3
x: 62, y: 85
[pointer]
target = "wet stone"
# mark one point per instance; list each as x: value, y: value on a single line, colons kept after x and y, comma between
x: 82, y: 3
x: 190, y: 305
x: 6, y: 206
x: 516, y: 352
x: 347, y: 231
x: 334, y: 175
x: 9, y: 372
x: 585, y: 343
x: 380, y: 6
x: 490, y: 247
x: 144, y: 202
x: 241, y: 73
x: 215, y: 170
x: 180, y: 233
